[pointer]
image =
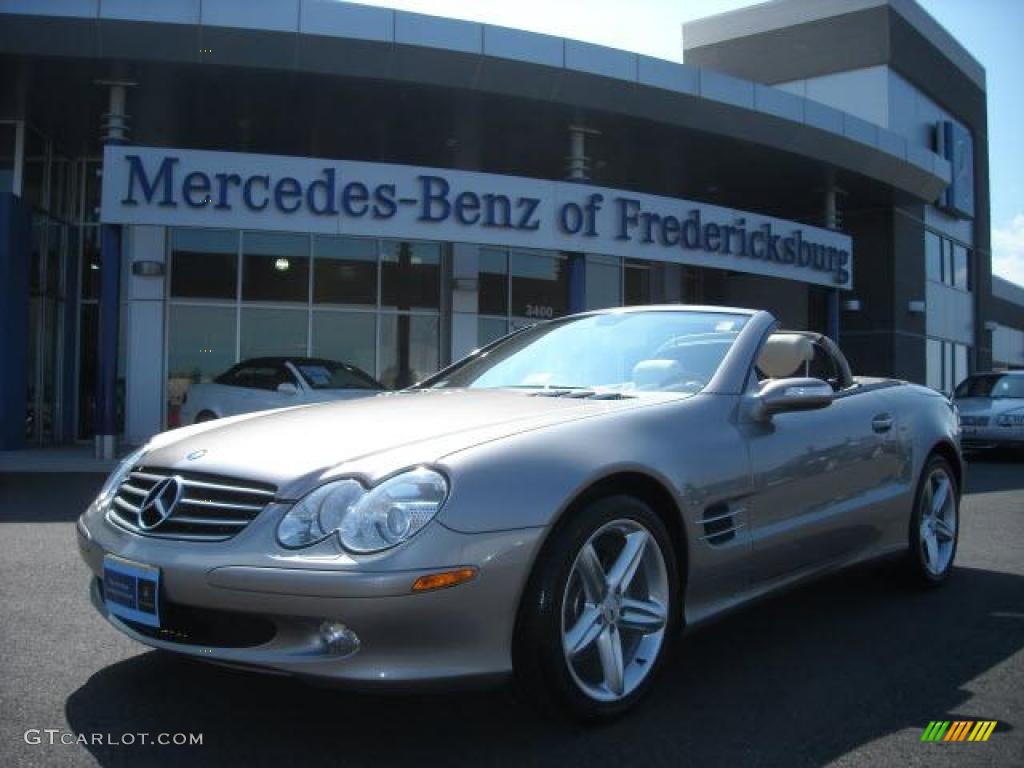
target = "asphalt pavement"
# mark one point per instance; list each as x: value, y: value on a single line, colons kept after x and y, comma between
x: 848, y: 671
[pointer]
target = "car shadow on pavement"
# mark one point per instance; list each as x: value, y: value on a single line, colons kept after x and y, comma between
x: 797, y: 680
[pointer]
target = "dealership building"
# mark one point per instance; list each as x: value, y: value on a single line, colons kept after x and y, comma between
x: 185, y: 184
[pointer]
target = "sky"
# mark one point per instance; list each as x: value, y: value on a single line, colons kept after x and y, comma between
x: 992, y: 30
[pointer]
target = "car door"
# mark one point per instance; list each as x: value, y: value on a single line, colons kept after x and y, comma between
x: 820, y: 480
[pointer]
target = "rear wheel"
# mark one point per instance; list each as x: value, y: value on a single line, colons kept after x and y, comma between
x: 205, y: 416
x: 935, y: 524
x: 599, y: 610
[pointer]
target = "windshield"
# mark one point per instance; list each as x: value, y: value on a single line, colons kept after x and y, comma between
x: 327, y: 374
x: 993, y: 385
x: 653, y: 351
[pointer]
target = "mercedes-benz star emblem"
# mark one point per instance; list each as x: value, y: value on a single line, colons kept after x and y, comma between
x: 160, y: 502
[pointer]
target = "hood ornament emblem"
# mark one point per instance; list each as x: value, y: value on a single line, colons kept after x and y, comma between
x: 196, y: 454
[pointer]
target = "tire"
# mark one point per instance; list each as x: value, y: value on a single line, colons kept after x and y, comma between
x: 934, y: 524
x: 636, y: 622
x: 205, y: 416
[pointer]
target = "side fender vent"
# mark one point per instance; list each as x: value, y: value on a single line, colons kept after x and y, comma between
x: 720, y: 522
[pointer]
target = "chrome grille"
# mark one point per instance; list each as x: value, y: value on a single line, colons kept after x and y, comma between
x: 974, y: 421
x: 211, y: 507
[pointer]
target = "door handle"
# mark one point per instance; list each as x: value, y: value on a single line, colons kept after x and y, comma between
x: 882, y: 422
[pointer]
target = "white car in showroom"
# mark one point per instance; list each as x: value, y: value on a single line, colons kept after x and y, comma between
x: 262, y: 383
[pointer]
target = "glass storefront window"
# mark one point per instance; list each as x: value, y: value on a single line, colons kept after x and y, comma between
x: 410, y: 275
x: 960, y: 272
x: 933, y: 363
x: 636, y: 278
x: 603, y: 282
x: 345, y: 270
x: 539, y: 284
x: 946, y: 261
x: 409, y: 348
x: 947, y: 367
x: 493, y: 282
x: 204, y: 263
x: 275, y: 268
x: 273, y: 332
x: 490, y: 329
x: 960, y: 366
x: 343, y: 294
x: 933, y: 256
x: 200, y: 345
x: 349, y: 337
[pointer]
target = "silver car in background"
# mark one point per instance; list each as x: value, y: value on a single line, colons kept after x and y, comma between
x: 991, y: 409
x: 557, y: 506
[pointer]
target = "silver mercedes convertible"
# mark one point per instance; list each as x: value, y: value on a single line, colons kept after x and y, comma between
x: 557, y: 506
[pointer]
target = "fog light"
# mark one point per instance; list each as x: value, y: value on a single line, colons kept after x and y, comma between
x: 337, y: 639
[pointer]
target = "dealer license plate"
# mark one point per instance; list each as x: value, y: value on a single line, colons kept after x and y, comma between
x: 132, y: 590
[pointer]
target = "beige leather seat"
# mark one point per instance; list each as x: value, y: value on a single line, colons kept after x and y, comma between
x: 784, y: 355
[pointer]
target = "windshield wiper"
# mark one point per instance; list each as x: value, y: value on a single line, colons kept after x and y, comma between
x: 583, y: 393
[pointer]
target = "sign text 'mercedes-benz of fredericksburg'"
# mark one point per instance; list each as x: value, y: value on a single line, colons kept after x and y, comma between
x: 146, y: 185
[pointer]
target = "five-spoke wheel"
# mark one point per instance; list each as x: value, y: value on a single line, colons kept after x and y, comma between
x: 935, y: 523
x: 598, y: 611
x: 614, y: 610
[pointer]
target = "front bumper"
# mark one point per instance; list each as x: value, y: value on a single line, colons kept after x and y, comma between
x: 450, y: 636
x: 992, y: 437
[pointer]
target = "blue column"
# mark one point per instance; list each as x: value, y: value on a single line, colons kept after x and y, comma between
x: 109, y: 316
x: 577, y: 282
x: 15, y: 258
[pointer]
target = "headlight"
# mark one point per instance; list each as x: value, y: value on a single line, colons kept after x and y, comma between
x: 118, y: 475
x: 1014, y: 419
x: 366, y: 520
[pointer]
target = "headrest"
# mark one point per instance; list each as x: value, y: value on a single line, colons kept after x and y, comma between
x: 654, y: 374
x: 784, y: 354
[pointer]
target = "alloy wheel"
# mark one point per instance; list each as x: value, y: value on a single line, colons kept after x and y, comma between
x: 615, y: 610
x: 938, y: 521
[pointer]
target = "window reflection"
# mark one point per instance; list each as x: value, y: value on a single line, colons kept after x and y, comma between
x: 410, y: 275
x: 204, y: 263
x: 539, y: 284
x: 200, y: 346
x: 276, y: 267
x: 349, y: 337
x: 345, y: 270
x: 409, y: 347
x: 272, y: 332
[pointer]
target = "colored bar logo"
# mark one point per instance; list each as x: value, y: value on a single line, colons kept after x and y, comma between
x: 959, y: 730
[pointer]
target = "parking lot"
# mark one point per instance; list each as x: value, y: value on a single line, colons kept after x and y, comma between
x: 848, y: 671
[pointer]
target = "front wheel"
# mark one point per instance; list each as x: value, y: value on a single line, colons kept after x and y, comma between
x: 935, y: 523
x: 599, y: 610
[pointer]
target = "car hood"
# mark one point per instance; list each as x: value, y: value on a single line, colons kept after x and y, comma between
x: 291, y: 446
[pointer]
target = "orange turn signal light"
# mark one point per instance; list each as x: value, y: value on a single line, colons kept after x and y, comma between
x: 443, y: 580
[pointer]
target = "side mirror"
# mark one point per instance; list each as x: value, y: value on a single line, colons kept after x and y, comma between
x: 783, y: 395
x: 287, y: 388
